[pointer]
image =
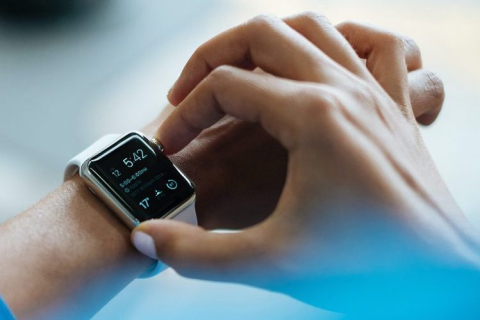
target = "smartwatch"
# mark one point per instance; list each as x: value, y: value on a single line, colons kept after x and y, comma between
x: 133, y: 177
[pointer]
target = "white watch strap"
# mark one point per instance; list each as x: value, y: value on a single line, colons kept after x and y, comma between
x: 189, y: 215
x: 74, y: 165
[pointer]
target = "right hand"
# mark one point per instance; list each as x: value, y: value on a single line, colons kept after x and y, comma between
x: 220, y: 159
x: 362, y: 195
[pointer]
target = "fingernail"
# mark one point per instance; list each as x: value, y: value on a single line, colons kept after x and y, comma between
x: 145, y: 244
x: 170, y: 91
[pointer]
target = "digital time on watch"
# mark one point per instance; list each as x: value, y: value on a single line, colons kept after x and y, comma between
x: 133, y: 177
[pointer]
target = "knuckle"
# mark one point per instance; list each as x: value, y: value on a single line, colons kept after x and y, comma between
x: 434, y: 87
x: 364, y: 92
x: 392, y: 40
x: 221, y: 72
x: 200, y: 54
x: 369, y: 96
x: 411, y: 46
x: 314, y: 18
x: 264, y: 21
x: 218, y: 77
x: 321, y: 106
x: 318, y: 116
x: 348, y: 26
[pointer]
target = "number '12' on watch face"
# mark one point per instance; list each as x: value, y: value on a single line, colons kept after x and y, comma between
x: 144, y: 180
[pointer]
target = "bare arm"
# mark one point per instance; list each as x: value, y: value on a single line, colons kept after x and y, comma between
x: 66, y: 255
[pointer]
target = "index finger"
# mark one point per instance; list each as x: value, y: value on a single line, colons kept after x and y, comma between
x: 265, y: 42
x: 246, y: 95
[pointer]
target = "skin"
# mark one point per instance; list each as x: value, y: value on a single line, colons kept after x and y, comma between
x: 68, y: 255
x: 364, y: 217
x: 262, y: 177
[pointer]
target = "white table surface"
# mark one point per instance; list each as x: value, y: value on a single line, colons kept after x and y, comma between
x: 66, y: 84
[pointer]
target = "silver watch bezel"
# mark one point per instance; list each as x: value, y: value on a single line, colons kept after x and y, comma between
x: 110, y: 197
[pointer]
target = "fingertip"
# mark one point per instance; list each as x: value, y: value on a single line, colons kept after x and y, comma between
x: 164, y: 231
x: 183, y: 86
x: 427, y: 119
x: 173, y: 95
x: 427, y: 95
x: 176, y: 243
x: 150, y: 236
x: 155, y: 227
x: 144, y: 243
x: 170, y: 148
x: 172, y: 98
x: 166, y: 139
x: 156, y: 238
x: 149, y: 227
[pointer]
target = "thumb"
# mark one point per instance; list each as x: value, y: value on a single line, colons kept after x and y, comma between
x: 427, y: 95
x: 197, y: 253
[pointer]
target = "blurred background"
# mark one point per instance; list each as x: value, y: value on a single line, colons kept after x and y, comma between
x: 73, y: 70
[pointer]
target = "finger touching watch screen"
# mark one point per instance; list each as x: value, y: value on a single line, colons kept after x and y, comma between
x: 143, y: 179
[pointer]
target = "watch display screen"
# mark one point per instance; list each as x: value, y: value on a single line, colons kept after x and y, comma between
x: 144, y: 180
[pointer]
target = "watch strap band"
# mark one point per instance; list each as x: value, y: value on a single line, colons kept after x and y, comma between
x: 74, y: 164
x: 189, y: 215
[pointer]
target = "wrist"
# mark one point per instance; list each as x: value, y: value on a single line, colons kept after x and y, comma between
x: 63, y: 249
x: 95, y: 231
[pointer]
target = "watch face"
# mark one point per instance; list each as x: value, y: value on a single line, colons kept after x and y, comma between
x: 143, y: 179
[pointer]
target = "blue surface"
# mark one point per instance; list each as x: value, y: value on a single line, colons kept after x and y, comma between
x: 5, y: 313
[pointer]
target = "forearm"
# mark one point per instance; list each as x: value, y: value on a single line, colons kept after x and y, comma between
x: 70, y: 250
x: 66, y: 255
